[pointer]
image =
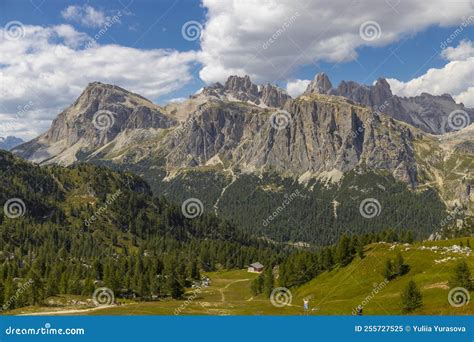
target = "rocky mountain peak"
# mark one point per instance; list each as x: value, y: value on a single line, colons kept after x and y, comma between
x: 241, y: 84
x: 321, y: 84
x: 242, y: 89
x: 9, y: 142
x: 383, y: 87
x: 99, y: 115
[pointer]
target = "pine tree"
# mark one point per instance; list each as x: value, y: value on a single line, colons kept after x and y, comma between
x: 8, y: 293
x: 343, y: 252
x: 194, y: 270
x: 88, y: 288
x: 52, y: 284
x: 411, y: 297
x: 174, y: 286
x: 462, y: 276
x: 35, y: 290
x: 400, y: 267
x: 388, y: 272
x: 360, y: 250
x: 268, y: 281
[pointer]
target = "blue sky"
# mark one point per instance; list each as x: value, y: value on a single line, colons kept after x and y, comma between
x: 285, y: 42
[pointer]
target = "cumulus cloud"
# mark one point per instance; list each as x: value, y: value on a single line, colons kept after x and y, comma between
x: 268, y: 39
x: 455, y: 78
x: 43, y: 72
x: 297, y: 87
x: 85, y: 15
x: 463, y: 51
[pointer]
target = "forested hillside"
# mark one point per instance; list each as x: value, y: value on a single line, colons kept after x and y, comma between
x: 70, y: 230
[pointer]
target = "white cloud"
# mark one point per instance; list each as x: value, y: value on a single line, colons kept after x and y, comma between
x: 85, y: 15
x: 177, y: 100
x: 45, y: 71
x: 268, y: 39
x: 455, y: 78
x: 297, y: 87
x: 464, y: 50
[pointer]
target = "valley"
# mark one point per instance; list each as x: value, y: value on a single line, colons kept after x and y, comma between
x: 337, y: 292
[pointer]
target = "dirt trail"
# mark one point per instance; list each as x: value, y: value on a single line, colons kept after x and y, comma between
x: 66, y: 312
x: 221, y: 290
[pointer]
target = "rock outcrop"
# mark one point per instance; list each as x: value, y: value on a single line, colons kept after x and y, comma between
x: 427, y: 112
x: 100, y: 113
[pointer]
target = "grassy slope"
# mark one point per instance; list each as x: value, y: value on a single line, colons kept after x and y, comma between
x: 341, y: 290
x: 332, y: 293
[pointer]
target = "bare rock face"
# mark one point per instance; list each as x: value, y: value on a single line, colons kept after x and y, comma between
x: 250, y: 128
x: 323, y: 133
x: 427, y: 112
x: 273, y: 96
x: 99, y: 114
x: 242, y: 89
x: 320, y: 85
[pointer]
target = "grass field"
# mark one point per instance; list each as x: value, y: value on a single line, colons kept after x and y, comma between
x: 336, y: 292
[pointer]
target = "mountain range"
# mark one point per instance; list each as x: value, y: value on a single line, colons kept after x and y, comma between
x: 242, y: 147
x: 9, y: 142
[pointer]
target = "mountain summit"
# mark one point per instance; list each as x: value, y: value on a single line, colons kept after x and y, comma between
x: 427, y: 112
x: 228, y: 132
x: 242, y: 89
x: 97, y: 117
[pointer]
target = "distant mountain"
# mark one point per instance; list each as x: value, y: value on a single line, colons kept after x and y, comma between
x: 97, y: 117
x: 241, y: 148
x: 427, y: 112
x: 10, y: 142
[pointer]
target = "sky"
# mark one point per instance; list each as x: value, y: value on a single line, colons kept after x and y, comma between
x: 167, y: 50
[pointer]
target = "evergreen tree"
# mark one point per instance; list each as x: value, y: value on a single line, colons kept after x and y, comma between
x: 268, y: 281
x: 411, y: 297
x: 257, y: 285
x: 52, y: 284
x: 360, y: 250
x: 343, y: 252
x: 388, y: 271
x: 35, y: 289
x: 194, y: 270
x: 9, y: 292
x: 461, y: 276
x: 400, y: 267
